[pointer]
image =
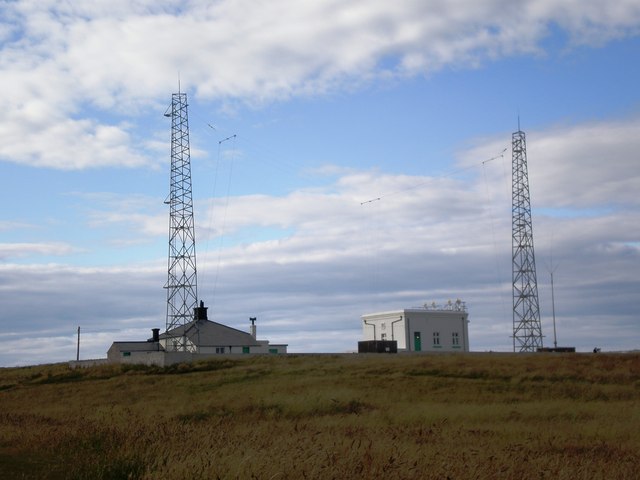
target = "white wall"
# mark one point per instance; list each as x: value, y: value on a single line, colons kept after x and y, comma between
x: 387, y: 326
x: 164, y: 359
x: 167, y: 344
x: 264, y: 347
x: 402, y: 326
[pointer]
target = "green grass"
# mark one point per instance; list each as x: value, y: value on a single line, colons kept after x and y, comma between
x: 560, y: 416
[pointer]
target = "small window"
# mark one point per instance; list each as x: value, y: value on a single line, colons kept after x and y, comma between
x: 219, y: 349
x: 455, y: 339
x: 126, y: 354
x: 273, y: 350
x: 436, y: 338
x: 245, y: 349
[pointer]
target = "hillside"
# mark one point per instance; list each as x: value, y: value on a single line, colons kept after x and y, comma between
x: 327, y: 416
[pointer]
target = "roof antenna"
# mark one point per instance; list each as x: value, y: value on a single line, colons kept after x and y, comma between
x: 180, y: 91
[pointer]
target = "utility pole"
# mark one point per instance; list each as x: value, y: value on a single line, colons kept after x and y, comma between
x: 553, y: 309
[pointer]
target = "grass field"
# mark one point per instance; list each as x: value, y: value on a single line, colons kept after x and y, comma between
x: 527, y: 416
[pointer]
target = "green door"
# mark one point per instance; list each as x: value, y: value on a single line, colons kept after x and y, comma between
x: 417, y: 343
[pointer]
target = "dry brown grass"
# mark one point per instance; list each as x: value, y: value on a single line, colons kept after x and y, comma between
x: 327, y: 416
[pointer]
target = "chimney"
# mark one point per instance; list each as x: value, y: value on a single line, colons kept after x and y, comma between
x: 253, y: 327
x: 200, y: 313
x: 155, y: 334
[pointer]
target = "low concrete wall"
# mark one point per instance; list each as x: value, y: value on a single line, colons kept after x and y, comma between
x: 164, y: 359
x: 88, y: 363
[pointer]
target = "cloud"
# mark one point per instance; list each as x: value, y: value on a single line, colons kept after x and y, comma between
x: 58, y: 296
x: 587, y: 166
x: 136, y: 213
x: 310, y: 288
x: 84, y: 77
x: 581, y: 167
x: 71, y: 67
x: 435, y: 238
x: 429, y: 238
x: 8, y: 226
x: 17, y: 250
x: 308, y: 263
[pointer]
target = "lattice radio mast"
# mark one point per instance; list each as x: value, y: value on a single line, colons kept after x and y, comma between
x: 182, y: 282
x: 527, y: 329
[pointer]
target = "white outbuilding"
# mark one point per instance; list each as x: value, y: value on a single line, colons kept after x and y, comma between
x: 431, y: 328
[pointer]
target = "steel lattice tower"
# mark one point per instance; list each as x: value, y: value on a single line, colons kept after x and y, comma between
x: 182, y: 284
x: 527, y: 329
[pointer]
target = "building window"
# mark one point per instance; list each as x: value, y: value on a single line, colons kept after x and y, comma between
x: 219, y: 349
x: 273, y: 350
x: 436, y: 338
x: 245, y: 349
x: 455, y: 339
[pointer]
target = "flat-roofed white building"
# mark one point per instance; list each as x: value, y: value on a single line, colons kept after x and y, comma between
x: 431, y: 328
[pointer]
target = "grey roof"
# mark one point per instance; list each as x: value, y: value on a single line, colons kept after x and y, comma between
x: 206, y: 333
x: 137, y: 346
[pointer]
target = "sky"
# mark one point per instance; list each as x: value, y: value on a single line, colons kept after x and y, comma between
x: 368, y: 169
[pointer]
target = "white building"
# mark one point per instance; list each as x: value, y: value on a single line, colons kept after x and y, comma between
x: 202, y: 338
x: 431, y: 328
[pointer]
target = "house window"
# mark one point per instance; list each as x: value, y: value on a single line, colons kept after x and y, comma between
x: 219, y: 349
x: 455, y: 339
x: 436, y: 338
x: 273, y: 350
x: 126, y: 354
x: 245, y: 349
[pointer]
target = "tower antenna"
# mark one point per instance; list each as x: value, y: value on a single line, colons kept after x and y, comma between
x: 527, y: 329
x: 182, y: 282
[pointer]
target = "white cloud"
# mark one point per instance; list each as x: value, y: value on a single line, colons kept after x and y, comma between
x: 140, y: 215
x: 581, y: 167
x: 17, y: 250
x: 439, y: 238
x: 120, y: 57
x: 587, y: 166
x: 326, y: 258
x: 309, y: 287
x: 311, y: 261
x: 6, y: 226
